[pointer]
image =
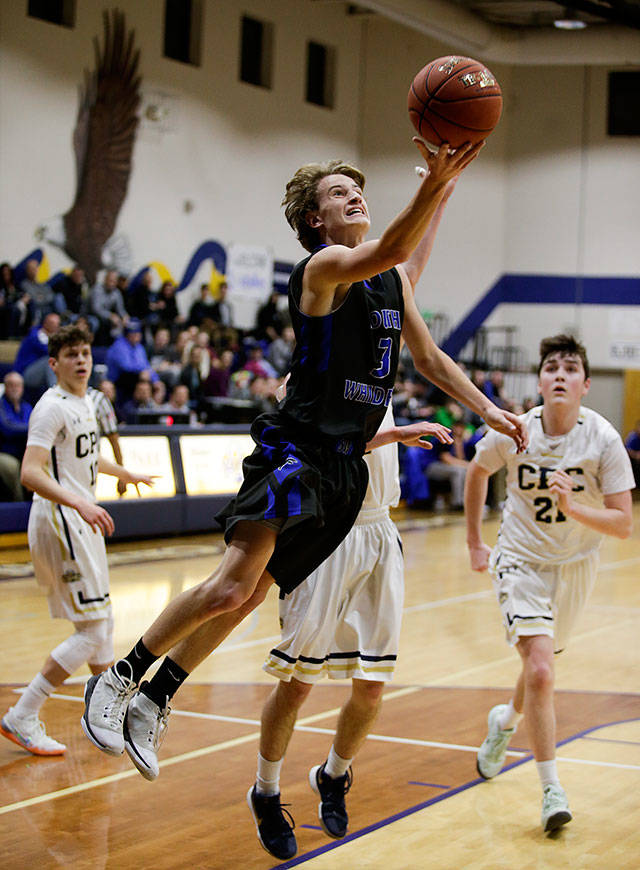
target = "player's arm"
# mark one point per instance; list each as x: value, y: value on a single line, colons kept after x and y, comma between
x: 475, y: 496
x: 439, y: 368
x: 613, y: 519
x: 114, y: 440
x: 413, y: 435
x: 414, y: 266
x: 338, y: 264
x: 35, y: 476
x: 105, y: 466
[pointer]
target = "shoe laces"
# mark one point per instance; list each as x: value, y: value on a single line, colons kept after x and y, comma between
x: 274, y: 811
x: 157, y: 733
x: 553, y: 794
x: 336, y: 788
x: 116, y: 707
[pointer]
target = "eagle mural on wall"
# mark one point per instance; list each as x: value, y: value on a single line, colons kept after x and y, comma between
x: 103, y: 142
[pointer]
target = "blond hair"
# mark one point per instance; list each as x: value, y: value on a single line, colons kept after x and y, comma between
x: 301, y: 197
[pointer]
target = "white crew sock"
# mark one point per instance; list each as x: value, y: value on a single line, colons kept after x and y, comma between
x: 33, y: 696
x: 268, y: 776
x: 510, y: 717
x: 336, y: 766
x: 548, y: 772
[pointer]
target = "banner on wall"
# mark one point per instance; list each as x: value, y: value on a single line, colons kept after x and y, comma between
x: 624, y: 338
x: 250, y: 279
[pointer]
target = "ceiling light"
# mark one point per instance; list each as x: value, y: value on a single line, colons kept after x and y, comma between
x: 569, y: 21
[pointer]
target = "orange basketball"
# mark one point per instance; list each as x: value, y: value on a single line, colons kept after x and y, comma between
x: 456, y: 100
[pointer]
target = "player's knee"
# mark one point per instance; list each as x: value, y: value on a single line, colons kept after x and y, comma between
x: 294, y: 692
x: 92, y: 642
x: 222, y: 595
x: 539, y: 675
x: 368, y: 692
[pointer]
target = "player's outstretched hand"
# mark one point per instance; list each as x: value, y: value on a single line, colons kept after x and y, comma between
x: 416, y: 434
x: 98, y: 518
x: 508, y: 424
x: 135, y: 479
x: 445, y: 164
x: 479, y: 557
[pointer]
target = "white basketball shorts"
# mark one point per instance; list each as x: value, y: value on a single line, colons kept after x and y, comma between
x: 539, y: 598
x: 70, y: 561
x: 344, y: 620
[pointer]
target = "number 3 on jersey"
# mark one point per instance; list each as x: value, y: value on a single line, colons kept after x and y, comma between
x: 385, y: 345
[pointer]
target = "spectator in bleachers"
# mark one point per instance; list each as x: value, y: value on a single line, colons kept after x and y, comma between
x: 269, y: 319
x: 191, y: 377
x: 263, y: 392
x: 451, y: 464
x: 16, y: 307
x: 208, y: 354
x: 632, y: 443
x: 166, y: 308
x: 14, y: 425
x: 159, y: 392
x: 449, y: 413
x: 142, y: 399
x: 141, y: 301
x: 410, y: 402
x: 203, y: 308
x: 528, y: 403
x: 107, y: 304
x: 32, y: 359
x: 127, y: 359
x: 222, y: 309
x: 496, y: 391
x: 165, y: 358
x: 179, y: 403
x: 45, y: 301
x: 280, y: 350
x: 217, y: 384
x: 257, y: 364
x: 75, y: 291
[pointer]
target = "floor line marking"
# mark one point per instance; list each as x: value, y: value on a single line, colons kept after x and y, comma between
x: 599, y: 763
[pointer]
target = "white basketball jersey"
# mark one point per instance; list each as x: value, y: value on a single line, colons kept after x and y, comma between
x: 66, y: 426
x: 384, y: 485
x: 533, y: 528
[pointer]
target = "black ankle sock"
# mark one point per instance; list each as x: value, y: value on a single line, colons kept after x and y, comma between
x: 139, y: 659
x: 164, y: 683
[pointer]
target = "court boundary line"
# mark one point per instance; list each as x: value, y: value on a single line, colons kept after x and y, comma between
x: 328, y: 847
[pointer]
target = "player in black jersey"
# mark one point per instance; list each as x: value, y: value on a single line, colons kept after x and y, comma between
x: 305, y: 481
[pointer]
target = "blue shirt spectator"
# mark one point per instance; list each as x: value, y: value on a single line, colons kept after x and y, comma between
x: 14, y: 425
x: 127, y: 359
x: 14, y: 416
x: 35, y: 344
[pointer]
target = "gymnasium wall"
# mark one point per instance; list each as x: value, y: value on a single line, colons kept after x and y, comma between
x: 550, y: 195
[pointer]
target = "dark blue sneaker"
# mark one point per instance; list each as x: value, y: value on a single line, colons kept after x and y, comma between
x: 331, y: 809
x: 274, y: 831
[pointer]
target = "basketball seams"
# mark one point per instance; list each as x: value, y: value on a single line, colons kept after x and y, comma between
x: 446, y: 79
x: 417, y: 96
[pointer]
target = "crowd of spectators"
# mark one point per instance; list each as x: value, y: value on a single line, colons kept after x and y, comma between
x: 150, y: 361
x: 155, y: 363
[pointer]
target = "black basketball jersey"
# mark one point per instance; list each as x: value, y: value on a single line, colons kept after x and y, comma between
x: 344, y: 364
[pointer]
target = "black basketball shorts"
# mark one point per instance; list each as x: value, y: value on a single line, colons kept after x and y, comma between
x: 313, y: 492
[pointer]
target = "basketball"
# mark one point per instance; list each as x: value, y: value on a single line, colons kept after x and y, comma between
x: 456, y: 100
